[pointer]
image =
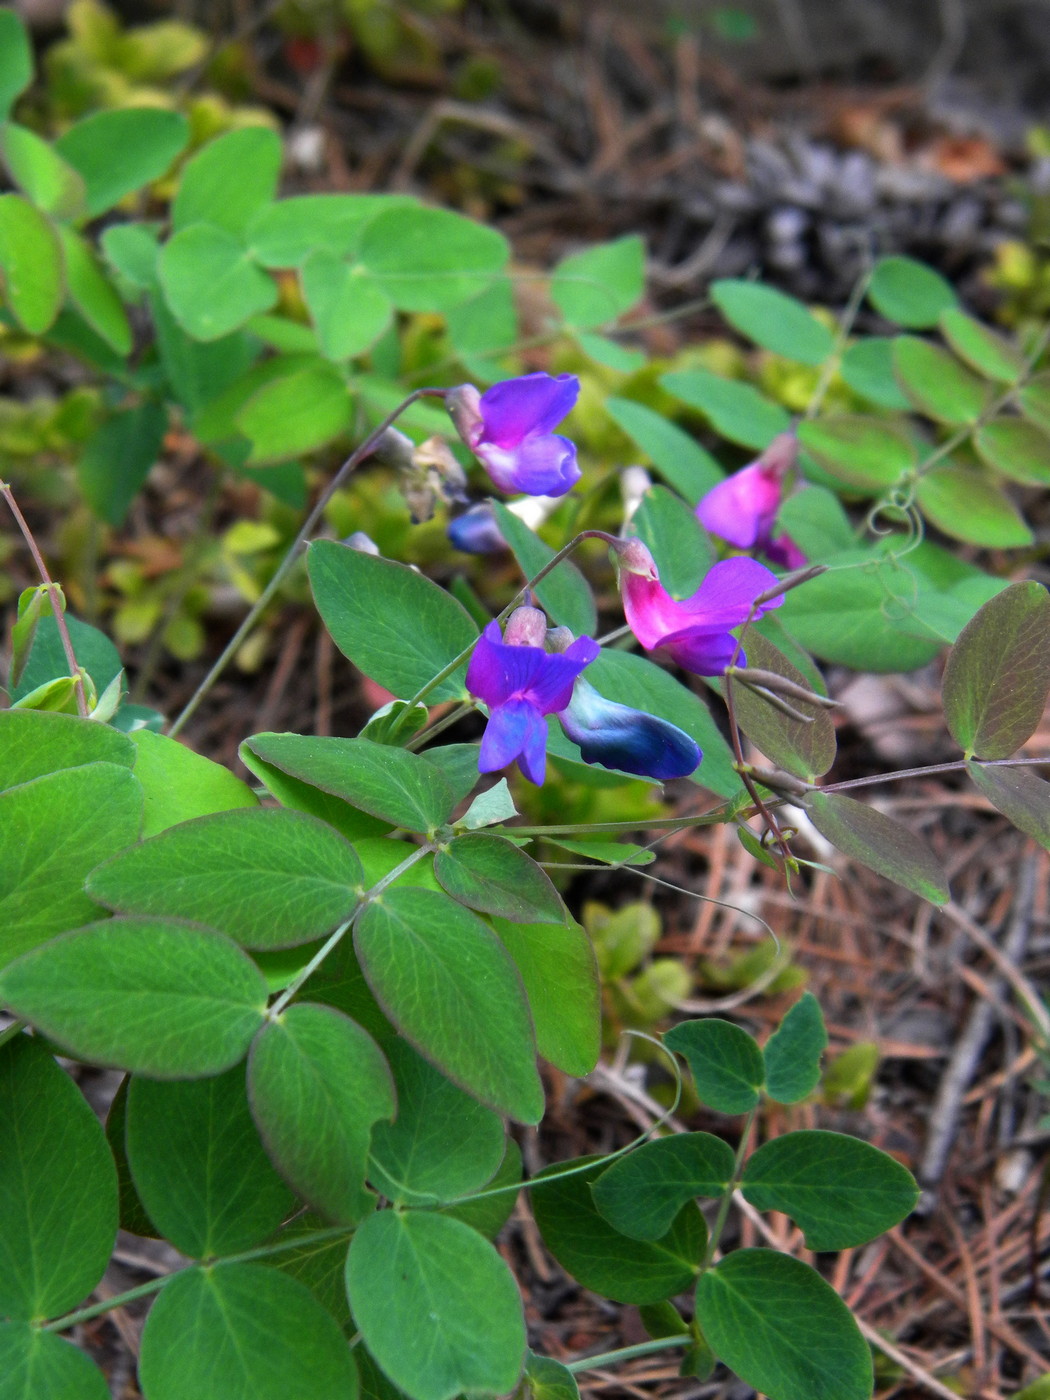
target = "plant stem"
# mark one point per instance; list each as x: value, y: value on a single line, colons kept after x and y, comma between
x: 610, y: 1358
x: 464, y: 655
x: 57, y: 600
x: 73, y: 1319
x: 454, y: 715
x: 310, y: 523
x: 9, y: 1032
x: 336, y: 938
x: 727, y: 1195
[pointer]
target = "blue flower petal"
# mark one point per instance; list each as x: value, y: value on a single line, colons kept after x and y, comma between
x: 529, y: 405
x: 617, y: 736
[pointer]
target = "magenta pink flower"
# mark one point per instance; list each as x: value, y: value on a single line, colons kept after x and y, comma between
x: 509, y: 430
x: 696, y: 631
x: 742, y: 510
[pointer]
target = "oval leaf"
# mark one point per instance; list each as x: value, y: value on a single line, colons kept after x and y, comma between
x: 725, y: 1061
x: 58, y: 1184
x: 396, y: 625
x: 970, y: 506
x: 564, y: 593
x: 678, y: 457
x: 295, y: 413
x: 883, y: 845
x: 736, y: 410
x: 641, y: 1194
x: 806, y: 749
x: 38, y: 1365
x: 34, y: 744
x: 840, y: 1191
x: 179, y: 784
x: 792, y: 1053
x: 156, y: 997
x: 1022, y: 798
x: 207, y: 256
x: 982, y: 349
x: 937, y: 383
x: 773, y: 320
x: 147, y: 138
x: 490, y: 873
x: 437, y: 1307
x: 909, y: 292
x: 317, y: 1084
x: 863, y: 452
x: 806, y: 1347
x: 472, y: 1019
x: 243, y: 1332
x: 998, y: 674
x: 601, y: 1258
x: 428, y: 259
x: 267, y: 877
x: 597, y: 285
x: 31, y: 269
x: 1016, y: 448
x: 199, y: 1167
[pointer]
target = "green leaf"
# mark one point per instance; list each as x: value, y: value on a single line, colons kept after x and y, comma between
x: 805, y: 749
x: 1034, y: 400
x: 840, y: 1191
x: 148, y: 139
x: 293, y: 755
x: 597, y: 285
x: 641, y: 1194
x: 489, y: 873
x: 867, y: 453
x: 816, y: 521
x: 998, y: 674
x: 1023, y: 798
x: 228, y: 181
x: 51, y: 836
x: 93, y: 294
x: 204, y: 256
x: 636, y: 681
x: 40, y: 173
x: 883, y: 845
x: 443, y: 1144
x: 438, y: 1308
x: 320, y: 1265
x: 676, y: 540
x: 348, y: 310
x: 776, y: 322
x: 1016, y: 448
x: 31, y: 265
x: 133, y: 1215
x: 296, y: 413
x: 180, y: 784
x: 399, y: 787
x: 909, y: 293
x: 782, y: 1329
x: 199, y: 1167
x: 564, y: 593
x: 867, y: 367
x: 608, y: 852
x: 243, y: 1332
x: 737, y: 411
x: 428, y: 259
x: 34, y: 744
x: 936, y: 383
x: 557, y: 965
x: 484, y: 327
x: 396, y: 625
x: 982, y: 349
x: 495, y: 804
x: 548, y: 1379
x: 603, y: 1259
x: 489, y: 1212
x: 38, y: 1365
x: 16, y: 60
x: 47, y: 658
x: 33, y: 604
x: 792, y: 1053
x: 857, y: 614
x: 267, y: 877
x: 157, y: 997
x: 725, y: 1061
x: 678, y: 457
x: 317, y: 1083
x: 58, y: 1185
x: 117, y: 458
x: 450, y: 987
x: 285, y: 233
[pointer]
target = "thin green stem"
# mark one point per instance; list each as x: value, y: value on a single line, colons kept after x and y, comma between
x: 454, y: 715
x: 648, y: 824
x: 727, y: 1195
x: 119, y: 1300
x: 611, y: 1358
x: 464, y: 655
x: 831, y: 364
x: 334, y: 939
x: 355, y: 458
x: 57, y: 600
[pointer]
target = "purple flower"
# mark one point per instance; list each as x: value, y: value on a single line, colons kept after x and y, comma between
x: 508, y: 428
x: 617, y: 736
x: 520, y: 682
x: 696, y: 631
x: 476, y: 531
x: 742, y: 510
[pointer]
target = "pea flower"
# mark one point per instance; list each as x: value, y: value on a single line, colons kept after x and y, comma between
x: 617, y: 736
x: 742, y: 510
x: 521, y: 682
x: 696, y: 631
x: 509, y: 430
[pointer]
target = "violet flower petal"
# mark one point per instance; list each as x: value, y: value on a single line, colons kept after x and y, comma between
x: 728, y: 592
x: 515, y: 731
x: 531, y: 405
x: 537, y: 466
